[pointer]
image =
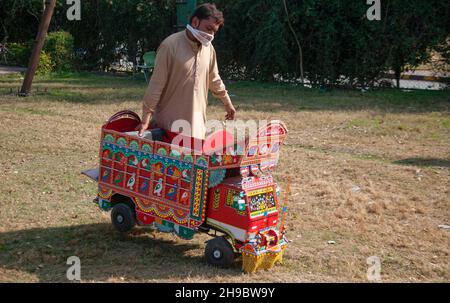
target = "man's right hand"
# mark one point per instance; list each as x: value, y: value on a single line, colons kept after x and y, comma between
x: 143, y: 126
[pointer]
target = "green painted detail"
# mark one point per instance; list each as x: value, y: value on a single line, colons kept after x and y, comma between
x: 134, y: 145
x: 163, y: 228
x: 168, y: 224
x: 162, y: 151
x: 118, y: 178
x: 104, y: 204
x: 260, y: 212
x: 188, y: 158
x: 146, y: 148
x: 184, y: 232
x: 215, y: 159
x: 239, y: 205
x: 118, y: 156
x: 119, y: 152
x: 216, y: 177
x: 132, y: 161
x: 175, y: 154
x: 109, y: 138
x: 202, y: 161
x: 236, y: 200
x: 121, y: 142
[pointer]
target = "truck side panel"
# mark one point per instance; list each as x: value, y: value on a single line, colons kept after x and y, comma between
x: 163, y: 181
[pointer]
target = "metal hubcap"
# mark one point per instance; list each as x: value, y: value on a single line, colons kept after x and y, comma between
x: 120, y: 219
x: 217, y: 254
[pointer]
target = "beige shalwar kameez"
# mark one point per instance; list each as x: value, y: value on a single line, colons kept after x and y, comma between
x: 178, y: 90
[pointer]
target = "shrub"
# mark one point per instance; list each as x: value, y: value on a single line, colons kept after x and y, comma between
x: 59, y: 46
x: 46, y: 65
x: 17, y: 54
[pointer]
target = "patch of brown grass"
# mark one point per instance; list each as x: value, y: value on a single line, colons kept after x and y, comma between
x: 349, y: 186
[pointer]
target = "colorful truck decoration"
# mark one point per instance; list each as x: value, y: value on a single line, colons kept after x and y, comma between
x: 150, y: 181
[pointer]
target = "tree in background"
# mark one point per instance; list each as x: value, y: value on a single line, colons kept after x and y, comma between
x: 252, y: 43
x: 19, y: 19
x: 341, y: 47
x: 114, y: 29
x: 415, y: 28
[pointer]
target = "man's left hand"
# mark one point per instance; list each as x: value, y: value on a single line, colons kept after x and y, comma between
x: 231, y: 112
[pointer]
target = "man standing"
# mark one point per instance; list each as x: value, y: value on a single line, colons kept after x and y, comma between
x: 185, y: 69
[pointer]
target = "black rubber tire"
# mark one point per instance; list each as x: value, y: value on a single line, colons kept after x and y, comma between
x: 122, y: 218
x: 219, y: 252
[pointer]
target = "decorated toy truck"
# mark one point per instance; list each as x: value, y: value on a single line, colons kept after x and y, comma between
x: 151, y: 180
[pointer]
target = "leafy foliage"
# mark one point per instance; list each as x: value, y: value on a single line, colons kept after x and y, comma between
x: 59, y: 46
x: 46, y: 64
x: 340, y: 45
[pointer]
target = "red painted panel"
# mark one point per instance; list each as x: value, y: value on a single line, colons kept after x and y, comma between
x: 122, y: 125
x: 226, y: 213
x: 185, y: 184
x: 171, y: 181
x: 144, y: 218
x: 131, y: 170
x: 107, y: 162
x: 145, y: 173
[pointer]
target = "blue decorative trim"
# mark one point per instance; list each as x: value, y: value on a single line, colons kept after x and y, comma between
x: 153, y: 158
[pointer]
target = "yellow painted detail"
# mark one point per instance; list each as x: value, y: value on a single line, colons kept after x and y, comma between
x: 260, y: 191
x: 252, y: 263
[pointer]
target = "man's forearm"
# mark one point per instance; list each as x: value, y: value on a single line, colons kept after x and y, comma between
x: 226, y: 100
x: 146, y: 118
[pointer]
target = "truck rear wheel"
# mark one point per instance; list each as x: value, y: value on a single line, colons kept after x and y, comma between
x: 122, y: 217
x: 219, y: 252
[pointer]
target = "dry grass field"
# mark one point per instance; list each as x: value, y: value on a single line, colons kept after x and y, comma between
x: 370, y: 177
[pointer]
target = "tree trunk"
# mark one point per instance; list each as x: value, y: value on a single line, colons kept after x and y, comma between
x: 300, y: 51
x: 39, y: 43
x: 398, y: 74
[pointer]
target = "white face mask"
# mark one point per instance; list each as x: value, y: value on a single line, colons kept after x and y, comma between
x: 204, y: 38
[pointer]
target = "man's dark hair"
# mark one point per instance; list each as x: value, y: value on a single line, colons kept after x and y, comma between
x: 207, y: 10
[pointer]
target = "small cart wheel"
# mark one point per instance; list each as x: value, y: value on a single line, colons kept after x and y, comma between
x: 122, y: 217
x: 219, y: 252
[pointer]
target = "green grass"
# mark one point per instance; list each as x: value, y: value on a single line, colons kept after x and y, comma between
x: 245, y: 94
x: 299, y: 98
x: 446, y: 123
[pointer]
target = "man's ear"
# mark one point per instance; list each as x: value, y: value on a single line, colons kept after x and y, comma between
x: 195, y: 22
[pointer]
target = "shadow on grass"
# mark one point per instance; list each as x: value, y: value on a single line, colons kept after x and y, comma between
x: 424, y: 162
x: 104, y: 253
